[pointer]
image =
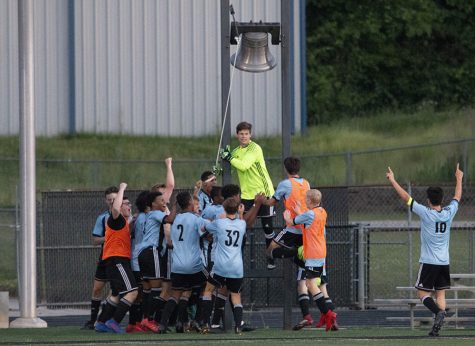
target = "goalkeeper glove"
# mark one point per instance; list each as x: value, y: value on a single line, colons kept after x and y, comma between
x: 225, y: 153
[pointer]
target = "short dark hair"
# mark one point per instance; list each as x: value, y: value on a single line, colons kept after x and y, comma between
x: 141, y: 201
x: 151, y: 197
x: 231, y: 206
x: 215, y: 192
x: 111, y: 189
x: 244, y: 125
x: 205, y: 175
x: 184, y: 199
x: 292, y: 164
x: 435, y: 195
x: 230, y: 190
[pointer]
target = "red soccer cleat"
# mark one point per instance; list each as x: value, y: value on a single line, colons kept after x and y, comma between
x: 330, y: 320
x: 135, y: 328
x: 148, y: 325
x: 321, y: 322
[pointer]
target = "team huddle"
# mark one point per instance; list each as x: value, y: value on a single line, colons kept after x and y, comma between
x: 178, y: 266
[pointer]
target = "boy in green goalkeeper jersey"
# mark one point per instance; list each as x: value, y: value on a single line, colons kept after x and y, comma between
x: 248, y: 160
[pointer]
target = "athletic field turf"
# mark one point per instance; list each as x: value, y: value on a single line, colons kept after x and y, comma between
x: 350, y: 336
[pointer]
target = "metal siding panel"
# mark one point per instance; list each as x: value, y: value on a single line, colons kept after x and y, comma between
x: 174, y: 79
x: 9, y: 83
x: 163, y: 71
x: 150, y: 65
x: 125, y: 101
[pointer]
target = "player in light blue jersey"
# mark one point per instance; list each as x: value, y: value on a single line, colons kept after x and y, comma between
x: 208, y: 180
x: 228, y: 237
x: 151, y: 267
x: 434, y: 273
x: 187, y: 269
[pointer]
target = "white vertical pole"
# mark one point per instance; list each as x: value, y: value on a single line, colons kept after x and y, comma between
x: 27, y: 278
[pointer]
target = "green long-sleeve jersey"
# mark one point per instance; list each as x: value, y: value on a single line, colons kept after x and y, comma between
x: 252, y: 172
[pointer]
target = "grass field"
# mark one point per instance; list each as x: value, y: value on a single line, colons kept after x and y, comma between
x: 352, y: 336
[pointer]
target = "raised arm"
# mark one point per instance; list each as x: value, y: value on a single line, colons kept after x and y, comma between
x: 170, y: 180
x: 117, y: 204
x: 400, y: 191
x: 251, y: 215
x: 458, y: 183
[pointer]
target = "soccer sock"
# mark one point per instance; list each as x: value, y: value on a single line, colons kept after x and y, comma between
x: 173, y: 317
x: 304, y: 302
x: 219, y: 303
x: 107, y: 311
x: 206, y: 308
x: 135, y: 313
x: 146, y: 303
x: 320, y: 301
x: 237, y: 315
x: 122, y: 308
x: 329, y: 303
x: 198, y: 311
x: 95, y: 306
x: 182, y: 310
x: 268, y: 229
x: 430, y: 304
x: 167, y: 311
x: 154, y: 303
x: 159, y: 309
x: 283, y: 252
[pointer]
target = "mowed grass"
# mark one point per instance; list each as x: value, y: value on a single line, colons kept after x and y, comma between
x: 350, y: 336
x: 89, y: 161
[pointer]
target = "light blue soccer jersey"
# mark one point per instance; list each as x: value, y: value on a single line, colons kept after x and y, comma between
x: 283, y: 191
x: 185, y: 235
x: 152, y: 229
x: 100, y: 225
x: 435, y: 232
x: 306, y: 219
x: 204, y: 200
x: 228, y: 235
x: 212, y: 211
x: 139, y: 231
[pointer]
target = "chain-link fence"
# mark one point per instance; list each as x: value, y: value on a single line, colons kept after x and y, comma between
x: 8, y: 235
x: 333, y: 169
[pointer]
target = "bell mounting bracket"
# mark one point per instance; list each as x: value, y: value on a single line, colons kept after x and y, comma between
x: 238, y: 28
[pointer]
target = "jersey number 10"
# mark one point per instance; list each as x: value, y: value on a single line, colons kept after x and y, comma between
x: 440, y: 227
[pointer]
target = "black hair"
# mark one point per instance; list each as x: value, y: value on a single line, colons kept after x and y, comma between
x: 111, y: 189
x: 184, y: 199
x: 435, y: 195
x: 215, y: 192
x: 292, y: 164
x: 141, y: 201
x: 205, y: 175
x: 151, y: 197
x: 230, y: 190
x: 244, y: 125
x: 231, y: 206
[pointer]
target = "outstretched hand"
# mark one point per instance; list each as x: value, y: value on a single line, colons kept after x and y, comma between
x: 458, y: 172
x: 225, y: 153
x: 390, y: 174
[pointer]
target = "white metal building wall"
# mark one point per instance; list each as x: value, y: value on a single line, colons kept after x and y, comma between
x: 141, y: 67
x: 50, y: 59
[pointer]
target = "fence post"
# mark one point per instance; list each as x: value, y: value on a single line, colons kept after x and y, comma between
x: 465, y: 158
x: 361, y: 267
x: 349, y: 168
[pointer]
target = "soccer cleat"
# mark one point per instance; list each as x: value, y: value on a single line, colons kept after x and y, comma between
x: 89, y: 325
x: 205, y: 329
x: 302, y: 324
x: 194, y: 326
x: 270, y: 263
x: 330, y: 320
x: 179, y: 327
x: 114, y: 326
x: 101, y: 328
x: 149, y: 325
x: 438, y: 322
x: 135, y: 328
x: 321, y: 321
x: 246, y: 327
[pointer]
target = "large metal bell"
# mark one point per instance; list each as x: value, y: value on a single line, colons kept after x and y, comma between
x: 254, y: 54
